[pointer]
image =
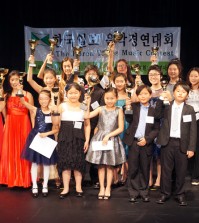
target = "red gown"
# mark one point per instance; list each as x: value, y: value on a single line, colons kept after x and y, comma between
x: 1, y: 132
x: 15, y: 171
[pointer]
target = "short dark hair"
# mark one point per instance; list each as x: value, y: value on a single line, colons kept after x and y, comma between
x: 144, y: 86
x: 182, y: 84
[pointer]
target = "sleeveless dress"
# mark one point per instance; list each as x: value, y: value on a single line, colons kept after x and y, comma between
x: 40, y: 126
x: 15, y: 171
x: 108, y: 122
x: 120, y: 103
x: 70, y: 148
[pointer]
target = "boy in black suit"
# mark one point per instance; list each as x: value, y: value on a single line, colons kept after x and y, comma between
x: 177, y: 138
x: 143, y: 129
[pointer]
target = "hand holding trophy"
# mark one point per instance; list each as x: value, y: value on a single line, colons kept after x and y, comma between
x: 88, y: 90
x: 164, y: 84
x: 53, y: 43
x: 20, y: 91
x: 77, y: 51
x: 138, y: 80
x: 129, y: 109
x: 33, y: 43
x: 154, y: 55
x: 3, y: 72
x: 117, y: 36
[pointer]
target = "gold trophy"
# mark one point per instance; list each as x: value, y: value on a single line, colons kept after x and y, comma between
x: 20, y: 91
x: 77, y: 50
x: 53, y: 43
x: 129, y: 109
x: 164, y: 84
x: 136, y: 68
x: 33, y: 43
x: 155, y: 50
x: 3, y: 72
x: 117, y: 36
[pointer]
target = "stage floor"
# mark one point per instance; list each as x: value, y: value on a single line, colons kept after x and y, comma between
x: 17, y: 205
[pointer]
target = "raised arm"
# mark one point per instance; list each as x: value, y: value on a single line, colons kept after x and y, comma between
x: 30, y: 80
x: 49, y: 57
x: 110, y: 66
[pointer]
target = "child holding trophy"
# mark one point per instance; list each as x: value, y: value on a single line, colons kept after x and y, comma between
x: 45, y: 128
x: 51, y: 83
x: 13, y: 170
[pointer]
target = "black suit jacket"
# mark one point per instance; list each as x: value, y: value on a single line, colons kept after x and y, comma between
x: 151, y: 130
x: 188, y: 129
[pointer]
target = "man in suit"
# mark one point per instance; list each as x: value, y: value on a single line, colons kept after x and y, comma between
x: 143, y: 129
x: 177, y: 138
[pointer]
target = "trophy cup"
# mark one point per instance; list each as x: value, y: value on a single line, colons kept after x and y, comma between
x: 53, y: 43
x: 33, y: 43
x: 55, y: 90
x: 155, y: 50
x: 129, y: 109
x: 117, y: 36
x: 136, y: 68
x: 164, y: 84
x: 3, y: 72
x: 77, y: 50
x: 88, y: 90
x: 20, y: 91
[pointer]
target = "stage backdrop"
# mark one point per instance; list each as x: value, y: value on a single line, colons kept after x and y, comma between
x: 135, y: 46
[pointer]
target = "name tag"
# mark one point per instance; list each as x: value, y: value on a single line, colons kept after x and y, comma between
x: 95, y: 105
x: 78, y: 125
x: 197, y: 116
x: 48, y: 119
x: 187, y: 118
x: 150, y: 119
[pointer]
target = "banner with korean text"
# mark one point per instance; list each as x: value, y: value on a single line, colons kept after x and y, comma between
x: 135, y: 46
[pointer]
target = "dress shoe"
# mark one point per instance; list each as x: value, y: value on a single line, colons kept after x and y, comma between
x: 162, y: 199
x: 45, y: 191
x: 79, y: 194
x: 62, y: 196
x: 35, y: 193
x: 133, y: 199
x: 145, y: 198
x: 181, y: 200
x: 154, y: 187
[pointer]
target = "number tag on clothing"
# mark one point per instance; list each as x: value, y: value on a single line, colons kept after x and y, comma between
x: 95, y: 105
x: 197, y: 116
x: 78, y: 125
x: 48, y: 119
x: 150, y: 119
x: 187, y: 118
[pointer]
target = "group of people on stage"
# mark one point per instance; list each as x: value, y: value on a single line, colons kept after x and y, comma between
x: 119, y: 133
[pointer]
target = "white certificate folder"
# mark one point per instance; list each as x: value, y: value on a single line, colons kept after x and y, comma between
x: 44, y: 146
x: 97, y: 145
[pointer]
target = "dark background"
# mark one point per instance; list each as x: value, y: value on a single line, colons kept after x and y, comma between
x: 168, y: 13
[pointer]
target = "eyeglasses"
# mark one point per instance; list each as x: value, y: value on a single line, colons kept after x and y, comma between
x: 153, y: 75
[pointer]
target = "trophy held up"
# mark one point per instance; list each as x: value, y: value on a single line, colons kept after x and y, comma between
x: 164, y: 83
x: 20, y: 91
x: 88, y: 90
x: 129, y: 109
x: 136, y: 68
x: 3, y: 72
x: 117, y: 36
x: 33, y: 43
x: 53, y: 43
x: 55, y: 91
x: 77, y: 51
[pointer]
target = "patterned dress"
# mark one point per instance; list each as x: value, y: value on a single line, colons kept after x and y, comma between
x: 108, y: 122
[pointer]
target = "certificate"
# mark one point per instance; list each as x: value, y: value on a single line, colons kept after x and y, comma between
x: 44, y: 146
x: 97, y: 145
